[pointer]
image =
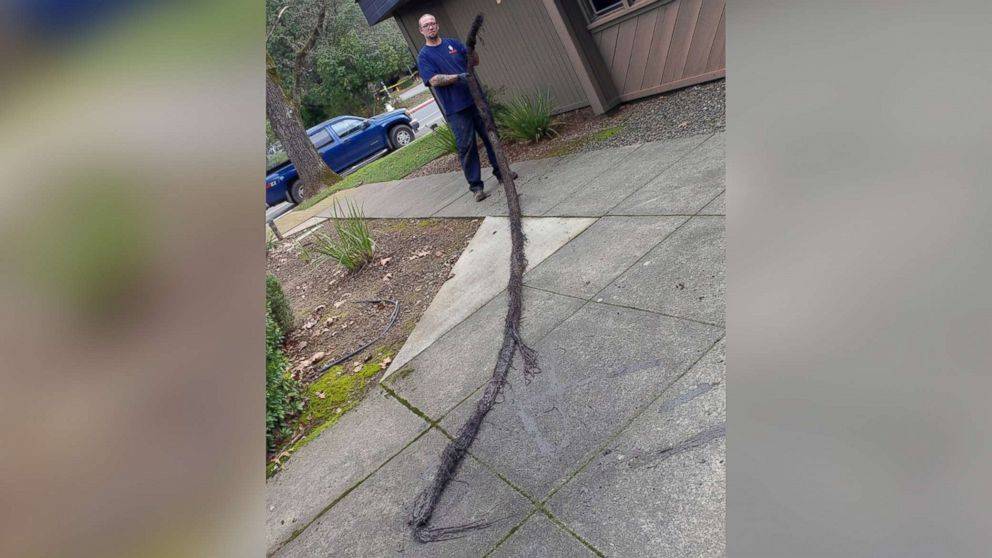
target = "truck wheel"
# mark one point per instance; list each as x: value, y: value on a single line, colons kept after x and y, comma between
x: 400, y: 135
x: 295, y: 192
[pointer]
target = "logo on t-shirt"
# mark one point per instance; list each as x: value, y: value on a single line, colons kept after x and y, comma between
x: 451, y: 50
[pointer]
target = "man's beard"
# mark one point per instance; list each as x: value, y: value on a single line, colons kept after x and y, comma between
x: 432, y: 37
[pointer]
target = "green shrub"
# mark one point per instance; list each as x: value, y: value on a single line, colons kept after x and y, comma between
x: 276, y: 300
x: 444, y: 139
x: 527, y: 118
x: 494, y: 96
x: 283, y: 394
x: 354, y: 245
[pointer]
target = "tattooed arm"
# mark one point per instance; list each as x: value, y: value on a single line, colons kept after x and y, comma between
x: 442, y: 80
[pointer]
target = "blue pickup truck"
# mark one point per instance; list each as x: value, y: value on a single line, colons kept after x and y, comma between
x: 343, y: 142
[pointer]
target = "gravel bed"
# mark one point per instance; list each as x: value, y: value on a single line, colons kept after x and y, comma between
x: 686, y: 112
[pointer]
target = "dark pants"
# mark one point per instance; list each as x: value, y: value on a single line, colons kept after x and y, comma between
x: 465, y: 124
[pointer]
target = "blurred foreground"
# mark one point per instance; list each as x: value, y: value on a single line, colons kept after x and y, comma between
x: 130, y: 236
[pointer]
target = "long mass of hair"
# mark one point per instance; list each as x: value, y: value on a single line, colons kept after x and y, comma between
x: 454, y: 453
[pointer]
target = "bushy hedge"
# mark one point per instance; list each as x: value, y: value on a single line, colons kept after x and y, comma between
x: 276, y: 300
x: 283, y: 395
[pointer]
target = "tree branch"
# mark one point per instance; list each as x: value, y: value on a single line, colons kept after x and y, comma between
x: 304, y: 50
x: 276, y: 22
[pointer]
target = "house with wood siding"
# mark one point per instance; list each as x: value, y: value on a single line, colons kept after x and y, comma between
x: 594, y: 53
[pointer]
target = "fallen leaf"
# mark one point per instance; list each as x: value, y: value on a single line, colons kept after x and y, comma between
x: 387, y: 277
x: 439, y: 253
x: 309, y: 325
x: 338, y: 303
x: 316, y: 357
x: 385, y: 363
x: 319, y: 308
x: 385, y: 261
x: 321, y: 394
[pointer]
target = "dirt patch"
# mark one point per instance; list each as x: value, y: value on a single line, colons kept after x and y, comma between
x: 413, y: 258
x: 693, y: 110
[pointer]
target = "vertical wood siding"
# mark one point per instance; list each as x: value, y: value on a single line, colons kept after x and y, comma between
x: 675, y: 44
x: 519, y: 47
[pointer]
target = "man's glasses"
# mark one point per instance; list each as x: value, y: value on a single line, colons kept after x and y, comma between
x: 428, y: 25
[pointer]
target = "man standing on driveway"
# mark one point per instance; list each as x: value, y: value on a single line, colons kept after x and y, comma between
x: 443, y: 65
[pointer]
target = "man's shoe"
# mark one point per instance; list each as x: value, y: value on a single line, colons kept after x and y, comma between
x: 480, y: 195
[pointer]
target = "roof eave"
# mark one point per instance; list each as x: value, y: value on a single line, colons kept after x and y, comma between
x: 376, y: 11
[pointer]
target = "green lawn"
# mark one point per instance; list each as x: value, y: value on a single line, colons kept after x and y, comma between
x: 394, y: 166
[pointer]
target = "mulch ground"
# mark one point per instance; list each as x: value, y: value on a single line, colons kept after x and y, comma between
x: 413, y: 258
x: 693, y: 110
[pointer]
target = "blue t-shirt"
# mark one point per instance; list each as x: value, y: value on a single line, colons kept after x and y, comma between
x: 449, y: 57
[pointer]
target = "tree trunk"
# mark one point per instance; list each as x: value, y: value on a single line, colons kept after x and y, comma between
x: 285, y: 119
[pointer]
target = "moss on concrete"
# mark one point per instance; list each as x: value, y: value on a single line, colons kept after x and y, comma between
x: 575, y: 145
x: 401, y: 374
x: 332, y: 395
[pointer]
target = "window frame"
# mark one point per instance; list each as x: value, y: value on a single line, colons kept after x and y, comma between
x: 626, y: 9
x: 592, y: 14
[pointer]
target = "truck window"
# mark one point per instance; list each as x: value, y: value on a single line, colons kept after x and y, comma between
x: 320, y: 138
x: 346, y: 127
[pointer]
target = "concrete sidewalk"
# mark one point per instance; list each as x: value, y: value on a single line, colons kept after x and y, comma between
x: 617, y: 447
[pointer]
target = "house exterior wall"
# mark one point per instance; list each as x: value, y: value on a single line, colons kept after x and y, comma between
x: 664, y: 45
x: 519, y: 49
x: 526, y: 45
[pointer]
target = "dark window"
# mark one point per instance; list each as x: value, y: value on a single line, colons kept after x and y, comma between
x: 346, y: 127
x: 600, y: 7
x: 596, y: 9
x: 320, y: 138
